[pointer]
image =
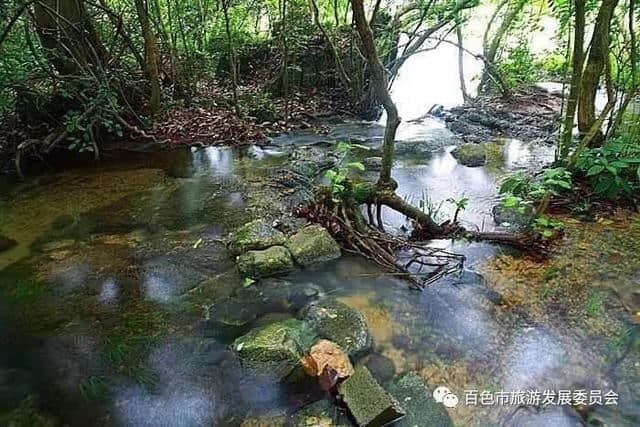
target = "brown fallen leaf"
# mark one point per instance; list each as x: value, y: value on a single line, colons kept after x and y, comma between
x: 326, y: 353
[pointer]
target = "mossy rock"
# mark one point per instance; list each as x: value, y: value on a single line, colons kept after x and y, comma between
x: 275, y: 351
x: 470, y: 154
x: 341, y: 324
x: 269, y: 262
x: 368, y: 402
x: 382, y: 368
x: 255, y: 235
x: 313, y: 245
x: 416, y: 398
x: 512, y: 217
x: 318, y: 414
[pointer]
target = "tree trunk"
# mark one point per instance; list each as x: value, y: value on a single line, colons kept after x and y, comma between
x: 463, y: 84
x: 232, y: 57
x: 577, y: 62
x: 385, y: 187
x: 150, y: 55
x: 66, y: 31
x: 594, y: 67
x: 491, y: 49
x: 379, y: 82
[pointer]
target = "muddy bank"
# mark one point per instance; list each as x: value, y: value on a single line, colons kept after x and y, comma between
x: 531, y: 114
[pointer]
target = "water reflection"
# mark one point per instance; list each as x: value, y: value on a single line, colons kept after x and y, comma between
x: 213, y: 160
x: 109, y: 292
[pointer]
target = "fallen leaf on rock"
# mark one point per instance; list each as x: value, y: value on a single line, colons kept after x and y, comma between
x: 324, y: 354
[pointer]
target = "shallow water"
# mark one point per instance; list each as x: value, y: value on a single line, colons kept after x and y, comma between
x: 117, y: 267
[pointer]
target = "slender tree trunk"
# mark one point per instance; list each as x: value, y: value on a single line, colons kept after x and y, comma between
x: 577, y: 62
x: 150, y: 55
x: 66, y: 30
x: 491, y: 49
x: 463, y: 84
x: 594, y: 67
x: 232, y: 56
x: 633, y: 57
x: 379, y: 82
x: 342, y: 73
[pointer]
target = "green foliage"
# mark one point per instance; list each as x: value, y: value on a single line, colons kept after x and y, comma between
x: 126, y: 344
x: 613, y: 170
x: 95, y: 388
x: 520, y: 188
x: 338, y: 176
x: 546, y: 226
x: 595, y: 306
x: 519, y: 66
x: 460, y: 204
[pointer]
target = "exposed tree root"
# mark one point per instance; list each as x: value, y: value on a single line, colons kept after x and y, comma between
x: 411, y: 259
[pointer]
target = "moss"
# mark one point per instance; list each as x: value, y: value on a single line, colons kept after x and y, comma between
x: 255, y: 235
x: 269, y: 262
x: 341, y: 324
x: 275, y: 350
x: 313, y: 245
x: 127, y: 343
x: 368, y: 402
x: 415, y: 396
x: 470, y: 154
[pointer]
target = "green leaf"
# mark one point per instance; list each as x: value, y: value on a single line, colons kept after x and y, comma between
x: 547, y: 233
x: 248, y: 281
x: 330, y: 174
x: 511, y: 202
x: 343, y: 146
x: 356, y: 165
x: 595, y: 170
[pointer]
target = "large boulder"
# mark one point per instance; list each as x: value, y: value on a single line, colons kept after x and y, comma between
x: 470, y: 154
x: 254, y: 235
x: 269, y: 262
x: 275, y: 351
x: 341, y: 324
x: 313, y: 245
x: 368, y: 402
x: 6, y: 243
x: 416, y: 398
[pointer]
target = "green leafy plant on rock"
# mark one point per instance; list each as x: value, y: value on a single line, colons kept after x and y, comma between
x: 338, y: 175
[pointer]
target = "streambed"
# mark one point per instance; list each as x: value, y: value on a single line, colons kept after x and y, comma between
x: 106, y: 296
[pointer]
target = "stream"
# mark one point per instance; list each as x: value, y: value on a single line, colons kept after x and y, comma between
x: 106, y: 296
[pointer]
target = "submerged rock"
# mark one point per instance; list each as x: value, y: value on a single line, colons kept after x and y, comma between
x: 275, y: 350
x: 318, y: 414
x: 313, y: 245
x: 255, y: 235
x: 341, y: 324
x: 381, y: 367
x: 510, y: 217
x: 269, y: 262
x: 229, y: 317
x: 470, y: 154
x: 6, y: 243
x: 368, y: 402
x: 414, y: 395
